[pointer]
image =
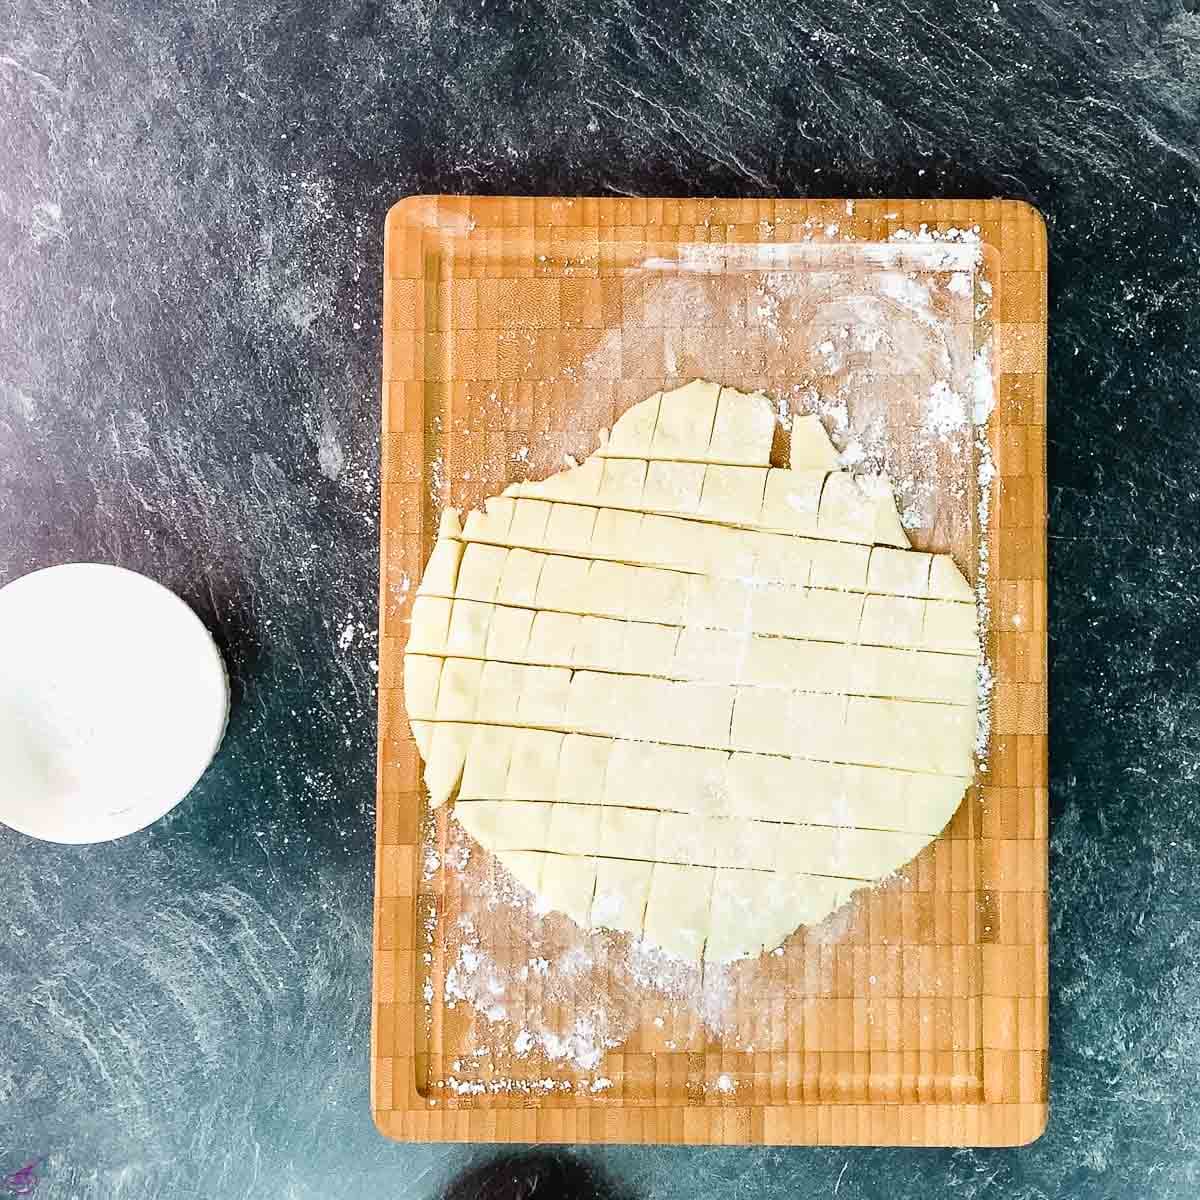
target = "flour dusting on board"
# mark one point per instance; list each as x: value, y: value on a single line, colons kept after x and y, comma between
x: 519, y: 1001
x: 984, y: 402
x: 539, y: 1004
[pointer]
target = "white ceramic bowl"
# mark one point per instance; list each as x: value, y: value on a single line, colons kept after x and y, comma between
x: 113, y: 700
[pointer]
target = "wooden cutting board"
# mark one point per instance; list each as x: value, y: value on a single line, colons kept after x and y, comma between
x: 515, y: 329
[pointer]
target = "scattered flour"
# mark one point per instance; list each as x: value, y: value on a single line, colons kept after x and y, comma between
x: 945, y: 412
x: 437, y: 479
x: 983, y: 389
x: 984, y: 405
x: 430, y: 863
x: 852, y: 456
x: 960, y: 284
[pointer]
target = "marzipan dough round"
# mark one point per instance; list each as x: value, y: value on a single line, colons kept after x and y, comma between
x: 682, y: 693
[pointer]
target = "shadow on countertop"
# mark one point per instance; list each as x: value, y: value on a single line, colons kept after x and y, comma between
x: 535, y: 1175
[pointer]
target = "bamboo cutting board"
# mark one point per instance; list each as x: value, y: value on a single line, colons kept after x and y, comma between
x: 514, y: 331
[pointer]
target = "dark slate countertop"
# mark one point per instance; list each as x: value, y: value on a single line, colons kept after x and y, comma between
x: 191, y: 210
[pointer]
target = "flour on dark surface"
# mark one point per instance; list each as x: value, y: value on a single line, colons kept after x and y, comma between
x: 191, y: 222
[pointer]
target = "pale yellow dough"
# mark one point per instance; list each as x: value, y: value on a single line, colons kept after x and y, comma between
x: 689, y: 696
